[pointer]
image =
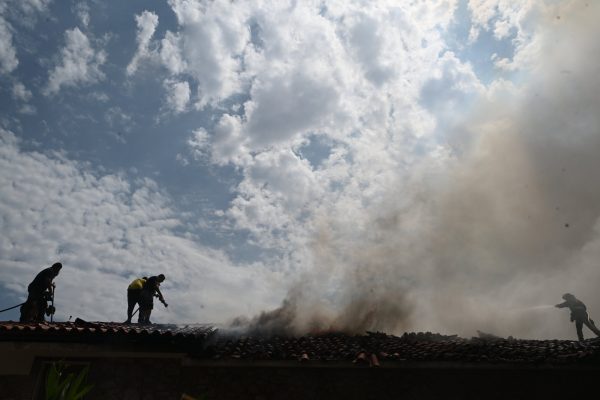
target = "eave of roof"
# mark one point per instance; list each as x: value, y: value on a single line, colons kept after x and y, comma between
x: 205, y: 342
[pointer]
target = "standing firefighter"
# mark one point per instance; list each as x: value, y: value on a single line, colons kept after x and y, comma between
x: 578, y: 314
x: 134, y: 293
x: 40, y: 291
x: 149, y: 291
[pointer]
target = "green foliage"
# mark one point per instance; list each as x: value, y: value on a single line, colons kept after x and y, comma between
x: 66, y: 386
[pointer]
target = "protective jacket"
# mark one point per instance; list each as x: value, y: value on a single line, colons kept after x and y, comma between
x: 42, y: 282
x: 578, y: 309
x: 137, y: 284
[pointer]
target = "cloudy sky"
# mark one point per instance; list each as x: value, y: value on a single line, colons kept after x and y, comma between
x: 391, y: 165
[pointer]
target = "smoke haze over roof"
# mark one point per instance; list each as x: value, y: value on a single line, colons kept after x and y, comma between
x: 503, y: 219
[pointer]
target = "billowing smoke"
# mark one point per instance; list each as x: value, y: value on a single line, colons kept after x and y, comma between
x: 485, y: 232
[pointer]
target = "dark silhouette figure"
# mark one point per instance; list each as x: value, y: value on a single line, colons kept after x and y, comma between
x: 578, y: 314
x: 40, y: 291
x: 134, y: 293
x: 149, y: 291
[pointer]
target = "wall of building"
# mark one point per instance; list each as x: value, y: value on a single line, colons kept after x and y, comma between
x: 157, y: 379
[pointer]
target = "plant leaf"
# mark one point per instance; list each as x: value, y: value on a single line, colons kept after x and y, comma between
x: 83, y: 392
x: 76, y: 385
x: 52, y: 382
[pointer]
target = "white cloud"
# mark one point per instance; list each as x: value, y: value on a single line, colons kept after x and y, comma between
x: 505, y: 18
x: 146, y: 25
x: 24, y: 12
x: 33, y: 6
x: 27, y: 109
x: 82, y: 10
x: 501, y: 29
x: 99, y: 96
x: 278, y: 189
x: 21, y: 13
x: 20, y: 92
x: 107, y: 230
x: 227, y: 143
x: 8, y: 54
x: 214, y: 36
x: 79, y: 63
x: 451, y: 86
x: 178, y: 95
x: 208, y: 46
x: 322, y: 72
x: 170, y: 54
x: 367, y: 41
x: 199, y: 144
x: 293, y: 103
x: 297, y: 71
x: 117, y: 118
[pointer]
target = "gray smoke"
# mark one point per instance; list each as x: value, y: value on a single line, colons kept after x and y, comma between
x: 506, y: 223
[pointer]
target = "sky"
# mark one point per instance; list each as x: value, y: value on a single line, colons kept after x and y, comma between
x: 306, y: 165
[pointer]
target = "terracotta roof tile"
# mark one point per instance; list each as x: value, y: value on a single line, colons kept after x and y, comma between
x: 378, y: 349
x: 83, y: 332
x: 372, y: 349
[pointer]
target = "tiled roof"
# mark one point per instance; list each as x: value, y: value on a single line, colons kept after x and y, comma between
x: 376, y: 349
x: 105, y: 332
x: 371, y: 349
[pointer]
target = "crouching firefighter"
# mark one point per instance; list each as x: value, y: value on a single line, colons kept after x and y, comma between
x: 578, y: 314
x: 134, y: 293
x: 149, y: 291
x: 40, y: 291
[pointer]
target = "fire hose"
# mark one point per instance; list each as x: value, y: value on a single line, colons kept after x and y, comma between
x: 10, y: 308
x: 19, y: 305
x: 50, y: 311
